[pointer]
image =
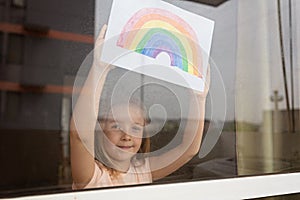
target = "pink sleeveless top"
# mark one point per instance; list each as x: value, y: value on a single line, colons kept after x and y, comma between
x: 136, y: 175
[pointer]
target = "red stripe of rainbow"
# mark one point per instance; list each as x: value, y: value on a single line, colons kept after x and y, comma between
x: 139, y: 31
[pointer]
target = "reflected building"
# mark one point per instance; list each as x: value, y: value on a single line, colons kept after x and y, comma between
x: 42, y: 44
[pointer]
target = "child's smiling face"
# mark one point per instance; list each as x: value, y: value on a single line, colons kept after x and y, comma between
x: 124, y: 129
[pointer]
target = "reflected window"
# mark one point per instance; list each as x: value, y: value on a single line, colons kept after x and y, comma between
x: 15, y: 49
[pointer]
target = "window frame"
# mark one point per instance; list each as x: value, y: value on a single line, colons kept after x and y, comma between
x: 230, y: 188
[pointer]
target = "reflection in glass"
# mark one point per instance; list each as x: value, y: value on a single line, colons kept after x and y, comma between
x: 267, y: 124
x: 259, y: 135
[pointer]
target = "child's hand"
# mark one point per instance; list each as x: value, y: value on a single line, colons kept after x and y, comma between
x: 102, y: 33
x: 99, y: 69
x: 98, y: 48
x: 98, y: 45
x: 203, y: 94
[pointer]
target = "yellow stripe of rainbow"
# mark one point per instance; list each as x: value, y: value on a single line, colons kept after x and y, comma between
x: 151, y: 31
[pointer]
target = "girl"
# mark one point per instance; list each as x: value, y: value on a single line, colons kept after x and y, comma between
x: 114, y: 153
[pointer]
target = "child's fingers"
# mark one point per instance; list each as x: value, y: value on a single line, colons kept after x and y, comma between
x: 98, y: 48
x: 206, y: 85
x: 101, y: 35
x: 207, y: 78
x: 99, y: 42
x: 103, y: 31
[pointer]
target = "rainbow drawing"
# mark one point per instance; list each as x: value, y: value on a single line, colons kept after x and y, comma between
x: 151, y: 31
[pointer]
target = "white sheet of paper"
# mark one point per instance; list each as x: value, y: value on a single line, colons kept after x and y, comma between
x: 123, y: 11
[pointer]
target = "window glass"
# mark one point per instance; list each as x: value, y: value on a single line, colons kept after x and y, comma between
x: 142, y: 128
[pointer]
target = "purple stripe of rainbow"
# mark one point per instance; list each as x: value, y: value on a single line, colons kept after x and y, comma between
x: 136, y: 22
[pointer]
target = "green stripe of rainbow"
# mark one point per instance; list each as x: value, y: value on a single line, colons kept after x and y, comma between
x: 151, y: 31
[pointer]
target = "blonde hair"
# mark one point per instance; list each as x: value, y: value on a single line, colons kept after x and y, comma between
x: 100, y: 153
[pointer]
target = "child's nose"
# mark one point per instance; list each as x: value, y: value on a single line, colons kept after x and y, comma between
x: 126, y: 133
x: 126, y: 137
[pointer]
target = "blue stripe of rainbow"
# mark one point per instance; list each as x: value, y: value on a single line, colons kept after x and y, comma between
x: 171, y: 34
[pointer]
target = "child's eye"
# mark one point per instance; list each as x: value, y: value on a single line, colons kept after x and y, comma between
x: 137, y: 128
x: 115, y: 126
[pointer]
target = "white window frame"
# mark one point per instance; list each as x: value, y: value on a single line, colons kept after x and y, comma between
x: 230, y: 188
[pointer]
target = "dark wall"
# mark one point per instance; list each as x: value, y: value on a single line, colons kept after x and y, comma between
x: 30, y: 122
x: 29, y: 158
x: 39, y: 61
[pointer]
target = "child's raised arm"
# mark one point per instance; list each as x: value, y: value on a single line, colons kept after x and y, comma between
x: 84, y: 118
x: 172, y: 160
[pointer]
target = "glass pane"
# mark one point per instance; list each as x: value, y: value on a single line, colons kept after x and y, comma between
x: 267, y: 93
x: 247, y: 125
